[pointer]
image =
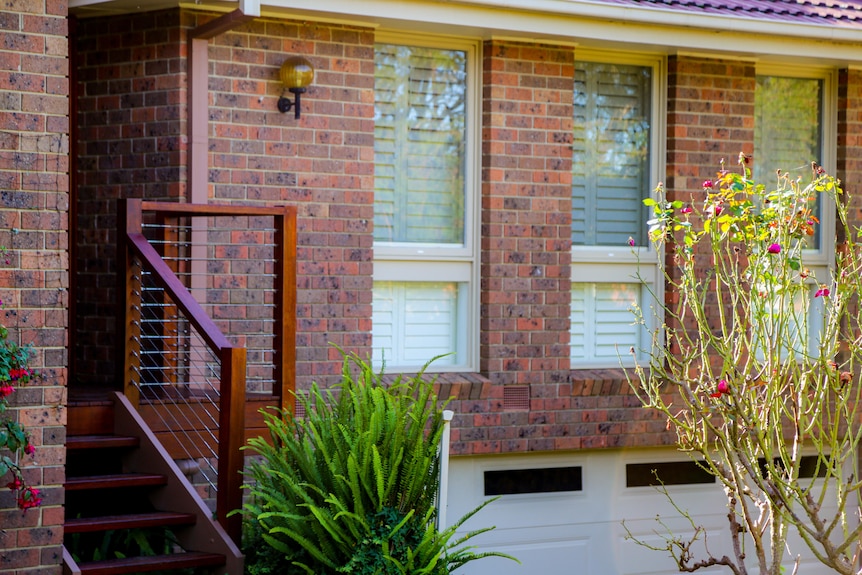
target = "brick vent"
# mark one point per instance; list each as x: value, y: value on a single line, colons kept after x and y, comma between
x: 516, y: 398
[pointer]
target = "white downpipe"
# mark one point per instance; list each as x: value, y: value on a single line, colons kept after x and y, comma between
x: 443, y: 495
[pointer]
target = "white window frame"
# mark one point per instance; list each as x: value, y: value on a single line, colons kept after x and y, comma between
x: 624, y: 264
x: 429, y: 262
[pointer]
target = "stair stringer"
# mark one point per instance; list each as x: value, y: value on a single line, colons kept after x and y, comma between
x: 178, y: 495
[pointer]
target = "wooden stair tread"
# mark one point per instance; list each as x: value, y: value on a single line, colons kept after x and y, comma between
x: 114, y: 480
x: 131, y: 521
x: 100, y: 441
x: 151, y: 563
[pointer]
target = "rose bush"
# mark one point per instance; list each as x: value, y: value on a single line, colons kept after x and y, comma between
x: 15, y: 443
x: 757, y: 367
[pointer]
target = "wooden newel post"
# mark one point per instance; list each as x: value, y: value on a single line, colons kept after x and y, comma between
x: 128, y: 300
x: 231, y: 439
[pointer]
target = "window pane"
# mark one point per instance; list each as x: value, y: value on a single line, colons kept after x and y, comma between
x: 414, y: 321
x: 419, y: 144
x: 796, y: 333
x: 610, y: 167
x: 603, y: 328
x: 787, y: 136
x: 786, y: 125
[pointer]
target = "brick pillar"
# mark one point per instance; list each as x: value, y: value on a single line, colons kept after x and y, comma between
x: 34, y: 187
x: 850, y: 137
x: 710, y: 117
x: 526, y: 216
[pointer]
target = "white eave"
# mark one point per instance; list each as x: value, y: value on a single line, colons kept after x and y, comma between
x: 563, y: 21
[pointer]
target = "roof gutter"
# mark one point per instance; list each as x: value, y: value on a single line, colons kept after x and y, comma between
x: 673, y: 18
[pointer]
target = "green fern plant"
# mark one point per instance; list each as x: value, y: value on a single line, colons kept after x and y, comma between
x: 351, y: 487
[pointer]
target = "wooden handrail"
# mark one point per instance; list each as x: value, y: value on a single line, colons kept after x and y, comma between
x: 167, y: 280
x: 133, y: 244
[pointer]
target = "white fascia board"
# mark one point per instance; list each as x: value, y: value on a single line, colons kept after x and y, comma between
x: 583, y: 22
x: 579, y: 22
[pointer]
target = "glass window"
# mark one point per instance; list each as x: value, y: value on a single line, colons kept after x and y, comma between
x: 788, y: 116
x: 611, y: 153
x: 613, y: 170
x: 423, y: 302
x: 419, y: 139
x: 794, y: 125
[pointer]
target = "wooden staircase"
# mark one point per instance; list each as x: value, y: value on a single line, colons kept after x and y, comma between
x: 124, y: 491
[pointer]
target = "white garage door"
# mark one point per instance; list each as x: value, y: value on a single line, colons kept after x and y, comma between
x: 565, y: 515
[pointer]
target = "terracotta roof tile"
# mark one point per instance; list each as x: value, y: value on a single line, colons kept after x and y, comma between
x: 824, y: 12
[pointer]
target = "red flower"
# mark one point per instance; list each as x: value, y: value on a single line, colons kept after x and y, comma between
x: 685, y: 210
x: 19, y: 373
x: 721, y: 389
x: 6, y: 390
x: 29, y: 449
x: 15, y: 484
x: 29, y: 498
x: 822, y: 292
x: 707, y: 184
x: 774, y: 248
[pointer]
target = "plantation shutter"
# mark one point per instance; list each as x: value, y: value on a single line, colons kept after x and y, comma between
x: 413, y: 322
x: 419, y: 144
x: 602, y: 321
x: 610, y: 164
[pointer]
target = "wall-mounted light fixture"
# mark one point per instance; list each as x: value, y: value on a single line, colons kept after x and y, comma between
x: 296, y: 74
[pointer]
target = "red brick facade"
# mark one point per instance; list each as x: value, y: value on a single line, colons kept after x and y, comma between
x: 34, y: 206
x: 133, y: 141
x: 323, y: 163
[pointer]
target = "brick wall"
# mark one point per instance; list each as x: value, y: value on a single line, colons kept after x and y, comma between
x: 323, y: 163
x: 133, y: 133
x: 710, y: 118
x: 525, y: 396
x: 525, y: 266
x: 131, y: 113
x: 850, y: 136
x: 34, y: 185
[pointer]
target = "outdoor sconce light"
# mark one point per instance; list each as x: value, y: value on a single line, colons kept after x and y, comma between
x: 296, y: 73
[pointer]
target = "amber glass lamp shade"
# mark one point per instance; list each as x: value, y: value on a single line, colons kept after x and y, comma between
x: 296, y: 73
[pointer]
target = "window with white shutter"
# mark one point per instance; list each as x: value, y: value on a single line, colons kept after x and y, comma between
x: 424, y: 301
x: 615, y: 160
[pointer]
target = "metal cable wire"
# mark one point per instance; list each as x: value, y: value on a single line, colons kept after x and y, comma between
x: 229, y: 267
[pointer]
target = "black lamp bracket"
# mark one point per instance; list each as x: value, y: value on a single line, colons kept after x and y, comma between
x: 284, y: 103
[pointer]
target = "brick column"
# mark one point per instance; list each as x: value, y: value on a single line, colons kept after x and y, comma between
x: 710, y: 117
x: 526, y: 216
x: 850, y: 137
x: 34, y: 187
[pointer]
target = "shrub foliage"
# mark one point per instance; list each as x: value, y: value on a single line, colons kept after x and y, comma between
x: 351, y: 487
